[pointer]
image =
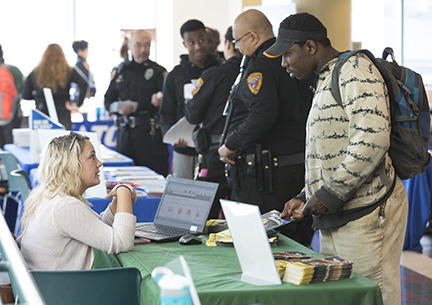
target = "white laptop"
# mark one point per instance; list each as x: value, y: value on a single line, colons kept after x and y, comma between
x: 251, y: 244
x: 183, y: 209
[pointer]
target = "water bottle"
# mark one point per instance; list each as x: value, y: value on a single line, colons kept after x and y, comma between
x: 174, y: 287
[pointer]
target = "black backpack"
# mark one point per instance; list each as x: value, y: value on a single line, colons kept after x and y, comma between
x: 409, y: 108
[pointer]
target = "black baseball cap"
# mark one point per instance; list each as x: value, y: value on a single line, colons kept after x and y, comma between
x: 286, y: 38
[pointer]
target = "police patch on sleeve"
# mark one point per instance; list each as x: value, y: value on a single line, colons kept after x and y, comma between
x: 254, y: 81
x: 148, y: 73
x: 197, y: 87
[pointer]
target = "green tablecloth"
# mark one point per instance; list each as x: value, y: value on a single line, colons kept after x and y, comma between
x: 211, y: 266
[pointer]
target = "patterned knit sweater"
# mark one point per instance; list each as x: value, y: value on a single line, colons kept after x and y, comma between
x: 347, y: 165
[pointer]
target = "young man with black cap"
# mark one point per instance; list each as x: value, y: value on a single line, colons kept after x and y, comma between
x: 177, y: 91
x: 357, y: 201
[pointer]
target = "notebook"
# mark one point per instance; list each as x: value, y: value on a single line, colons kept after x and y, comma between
x: 183, y: 209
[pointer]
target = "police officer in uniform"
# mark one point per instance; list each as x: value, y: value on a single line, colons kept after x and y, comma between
x: 139, y: 136
x: 206, y: 107
x: 265, y: 142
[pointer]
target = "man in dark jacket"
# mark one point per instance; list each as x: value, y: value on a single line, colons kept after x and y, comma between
x: 206, y: 107
x: 266, y: 137
x: 178, y: 88
x: 80, y: 47
x: 139, y: 136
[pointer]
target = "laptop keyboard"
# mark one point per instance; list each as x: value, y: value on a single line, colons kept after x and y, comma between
x: 152, y: 228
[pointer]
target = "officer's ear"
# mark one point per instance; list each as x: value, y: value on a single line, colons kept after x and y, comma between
x: 255, y: 38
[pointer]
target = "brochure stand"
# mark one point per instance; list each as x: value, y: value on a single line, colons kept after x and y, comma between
x: 251, y: 244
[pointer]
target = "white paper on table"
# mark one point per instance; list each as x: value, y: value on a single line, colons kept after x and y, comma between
x: 49, y: 99
x: 180, y: 130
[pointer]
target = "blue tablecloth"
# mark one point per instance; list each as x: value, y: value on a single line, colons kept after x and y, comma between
x: 24, y: 158
x: 419, y: 190
x: 144, y: 209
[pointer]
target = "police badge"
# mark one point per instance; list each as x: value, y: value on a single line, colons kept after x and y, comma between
x: 148, y: 73
x: 254, y: 82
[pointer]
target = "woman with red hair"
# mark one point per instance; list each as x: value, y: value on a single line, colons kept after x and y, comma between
x: 54, y: 72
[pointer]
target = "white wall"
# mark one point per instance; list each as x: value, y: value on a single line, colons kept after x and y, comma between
x: 28, y: 26
x: 171, y: 14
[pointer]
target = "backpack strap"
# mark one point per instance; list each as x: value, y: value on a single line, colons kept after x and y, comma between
x: 335, y: 89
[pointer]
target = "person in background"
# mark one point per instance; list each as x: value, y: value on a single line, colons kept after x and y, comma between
x: 177, y: 91
x: 213, y: 42
x: 16, y: 73
x: 124, y: 49
x: 59, y: 228
x: 265, y: 143
x: 356, y: 199
x: 139, y: 136
x: 54, y: 72
x: 6, y: 130
x: 80, y: 47
x: 206, y: 108
x: 217, y: 43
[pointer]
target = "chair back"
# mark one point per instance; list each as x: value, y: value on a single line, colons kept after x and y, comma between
x: 25, y: 187
x: 10, y: 163
x: 111, y: 286
x: 23, y: 181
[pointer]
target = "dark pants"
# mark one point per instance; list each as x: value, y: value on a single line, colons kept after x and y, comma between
x: 6, y: 136
x: 215, y: 173
x: 287, y: 182
x: 145, y: 150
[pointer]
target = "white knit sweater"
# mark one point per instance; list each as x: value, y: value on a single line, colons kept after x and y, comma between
x: 64, y: 231
x: 346, y: 148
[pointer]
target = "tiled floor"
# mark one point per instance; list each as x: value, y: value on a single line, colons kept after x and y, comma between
x: 416, y: 273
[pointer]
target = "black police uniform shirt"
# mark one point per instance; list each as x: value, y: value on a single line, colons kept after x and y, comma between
x: 210, y: 96
x: 136, y: 82
x: 173, y: 102
x: 270, y: 108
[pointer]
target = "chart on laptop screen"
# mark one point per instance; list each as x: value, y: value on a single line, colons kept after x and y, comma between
x: 186, y: 205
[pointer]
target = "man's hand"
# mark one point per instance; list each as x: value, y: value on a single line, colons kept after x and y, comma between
x: 126, y: 110
x: 226, y: 155
x: 314, y: 207
x: 181, y: 143
x: 156, y: 99
x: 71, y: 106
x: 293, y: 209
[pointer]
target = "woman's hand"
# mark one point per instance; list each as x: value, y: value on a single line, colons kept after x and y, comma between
x: 71, y: 106
x: 120, y: 201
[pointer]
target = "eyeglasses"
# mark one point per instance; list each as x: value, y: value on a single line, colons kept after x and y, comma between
x: 75, y: 136
x: 235, y: 41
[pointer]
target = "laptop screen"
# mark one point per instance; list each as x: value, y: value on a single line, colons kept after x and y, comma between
x: 186, y: 204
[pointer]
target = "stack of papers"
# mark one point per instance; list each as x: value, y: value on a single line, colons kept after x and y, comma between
x: 224, y: 239
x: 271, y: 221
x: 316, y: 270
x: 146, y: 181
x: 282, y: 259
x: 109, y: 154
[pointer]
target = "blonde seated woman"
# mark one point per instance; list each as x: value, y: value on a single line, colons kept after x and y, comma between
x: 59, y: 229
